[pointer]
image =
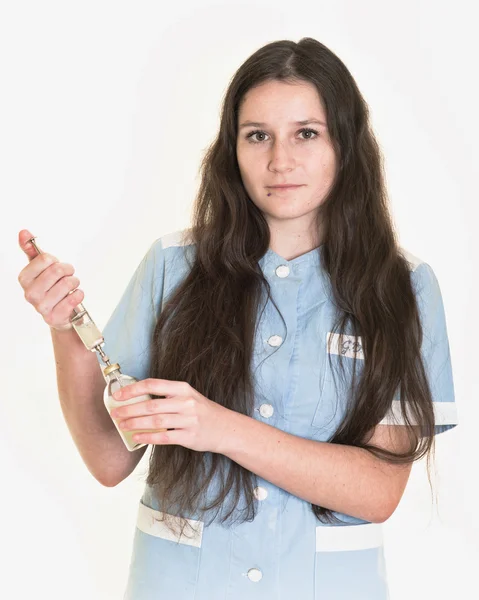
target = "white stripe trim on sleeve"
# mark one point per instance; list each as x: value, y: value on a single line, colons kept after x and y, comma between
x: 445, y: 413
x: 413, y: 260
x: 340, y: 538
x: 181, y: 237
x: 146, y: 522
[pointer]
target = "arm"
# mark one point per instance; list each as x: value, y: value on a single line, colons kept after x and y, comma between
x: 80, y: 388
x: 345, y: 479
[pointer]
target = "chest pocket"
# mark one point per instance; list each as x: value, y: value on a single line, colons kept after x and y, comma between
x: 336, y: 385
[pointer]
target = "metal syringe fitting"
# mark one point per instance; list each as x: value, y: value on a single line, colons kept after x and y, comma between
x: 102, y: 354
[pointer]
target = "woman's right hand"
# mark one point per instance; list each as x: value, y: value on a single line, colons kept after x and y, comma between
x: 48, y: 285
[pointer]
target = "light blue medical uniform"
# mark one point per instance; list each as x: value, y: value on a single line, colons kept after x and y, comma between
x: 285, y: 552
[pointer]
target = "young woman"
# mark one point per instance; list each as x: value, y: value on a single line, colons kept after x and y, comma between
x: 297, y: 356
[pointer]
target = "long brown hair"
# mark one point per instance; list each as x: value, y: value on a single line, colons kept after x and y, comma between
x: 205, y: 331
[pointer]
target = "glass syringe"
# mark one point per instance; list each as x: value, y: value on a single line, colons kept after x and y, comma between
x: 83, y: 324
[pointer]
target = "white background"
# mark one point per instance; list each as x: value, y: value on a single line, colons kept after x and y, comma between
x: 106, y: 110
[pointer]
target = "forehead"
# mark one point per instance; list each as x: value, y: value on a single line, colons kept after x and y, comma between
x: 279, y: 101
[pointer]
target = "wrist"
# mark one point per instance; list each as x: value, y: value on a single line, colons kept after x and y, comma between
x: 67, y: 327
x: 231, y: 432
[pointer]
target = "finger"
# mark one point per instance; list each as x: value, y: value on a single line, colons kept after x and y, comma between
x: 51, y: 287
x: 62, y: 311
x: 35, y: 267
x: 148, y: 407
x: 159, y: 387
x: 156, y: 422
x: 167, y: 437
x: 52, y: 275
x: 63, y: 290
x: 23, y: 240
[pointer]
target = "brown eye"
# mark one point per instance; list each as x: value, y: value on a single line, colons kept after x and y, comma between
x: 253, y: 133
x: 250, y: 135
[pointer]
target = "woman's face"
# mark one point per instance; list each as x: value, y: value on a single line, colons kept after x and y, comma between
x: 281, y: 153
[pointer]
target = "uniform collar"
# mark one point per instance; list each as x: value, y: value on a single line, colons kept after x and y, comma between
x: 302, y: 268
x: 305, y: 261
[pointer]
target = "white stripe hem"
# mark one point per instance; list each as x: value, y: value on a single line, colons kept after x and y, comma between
x: 340, y: 538
x: 445, y: 413
x: 146, y: 523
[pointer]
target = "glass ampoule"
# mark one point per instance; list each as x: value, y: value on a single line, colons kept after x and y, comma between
x: 115, y: 380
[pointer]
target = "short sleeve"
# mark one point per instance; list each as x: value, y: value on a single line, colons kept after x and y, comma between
x: 129, y: 330
x: 435, y: 352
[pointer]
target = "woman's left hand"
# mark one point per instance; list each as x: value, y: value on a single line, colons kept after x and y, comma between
x: 197, y: 422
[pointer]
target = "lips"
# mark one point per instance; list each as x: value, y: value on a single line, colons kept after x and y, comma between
x: 284, y: 187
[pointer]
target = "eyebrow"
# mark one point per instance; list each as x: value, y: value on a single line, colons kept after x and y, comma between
x: 305, y: 122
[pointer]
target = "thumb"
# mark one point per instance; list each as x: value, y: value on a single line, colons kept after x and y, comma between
x: 29, y: 249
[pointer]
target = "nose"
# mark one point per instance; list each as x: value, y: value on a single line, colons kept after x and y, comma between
x: 282, y: 157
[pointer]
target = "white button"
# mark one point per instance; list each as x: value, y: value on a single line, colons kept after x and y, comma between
x: 275, y: 340
x: 260, y: 492
x: 266, y: 410
x: 255, y: 574
x: 282, y: 271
